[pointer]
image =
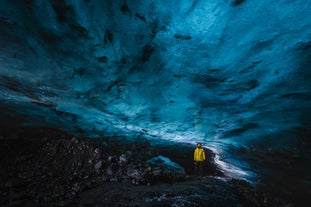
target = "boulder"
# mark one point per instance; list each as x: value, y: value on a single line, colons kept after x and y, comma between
x: 164, y: 168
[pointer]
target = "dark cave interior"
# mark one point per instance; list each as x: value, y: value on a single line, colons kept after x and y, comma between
x: 155, y: 76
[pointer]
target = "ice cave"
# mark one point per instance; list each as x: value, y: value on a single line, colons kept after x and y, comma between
x: 102, y: 102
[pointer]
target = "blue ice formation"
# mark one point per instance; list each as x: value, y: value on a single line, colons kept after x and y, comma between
x: 233, y: 74
x: 166, y: 165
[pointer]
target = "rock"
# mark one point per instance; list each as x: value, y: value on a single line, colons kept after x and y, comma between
x: 134, y: 182
x: 65, y: 203
x: 166, y: 165
x: 96, y: 150
x: 133, y: 173
x: 123, y: 159
x: 165, y: 169
x: 114, y: 180
x: 129, y: 153
x: 98, y: 165
x: 76, y: 187
x: 74, y: 140
x: 109, y: 171
x: 111, y: 159
x: 104, y: 178
x: 156, y: 172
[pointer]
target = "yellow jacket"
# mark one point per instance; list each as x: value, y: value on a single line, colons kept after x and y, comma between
x: 199, y: 154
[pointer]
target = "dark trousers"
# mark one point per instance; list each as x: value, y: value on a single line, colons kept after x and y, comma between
x: 198, y: 167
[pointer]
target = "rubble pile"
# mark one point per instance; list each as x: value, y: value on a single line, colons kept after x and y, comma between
x: 56, y: 170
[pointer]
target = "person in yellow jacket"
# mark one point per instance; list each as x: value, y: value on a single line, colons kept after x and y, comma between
x: 199, y: 157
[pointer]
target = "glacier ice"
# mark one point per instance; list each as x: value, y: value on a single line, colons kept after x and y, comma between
x: 234, y: 75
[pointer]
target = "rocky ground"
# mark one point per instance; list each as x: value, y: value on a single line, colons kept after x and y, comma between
x: 56, y: 169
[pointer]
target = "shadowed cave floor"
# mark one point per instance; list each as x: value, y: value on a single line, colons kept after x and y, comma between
x: 194, y: 191
x: 45, y: 167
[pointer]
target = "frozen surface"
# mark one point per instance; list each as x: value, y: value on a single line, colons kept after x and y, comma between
x: 232, y: 74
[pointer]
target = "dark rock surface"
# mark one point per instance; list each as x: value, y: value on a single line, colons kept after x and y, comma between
x: 61, y: 170
x: 193, y: 191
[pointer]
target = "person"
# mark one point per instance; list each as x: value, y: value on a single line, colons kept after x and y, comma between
x: 199, y: 157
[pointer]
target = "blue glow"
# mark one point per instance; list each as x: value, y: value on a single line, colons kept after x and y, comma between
x: 235, y: 76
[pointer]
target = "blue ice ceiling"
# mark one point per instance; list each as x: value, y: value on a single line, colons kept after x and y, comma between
x: 217, y: 71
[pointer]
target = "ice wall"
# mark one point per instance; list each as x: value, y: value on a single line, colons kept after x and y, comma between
x: 232, y: 74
